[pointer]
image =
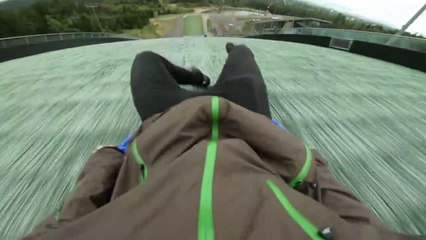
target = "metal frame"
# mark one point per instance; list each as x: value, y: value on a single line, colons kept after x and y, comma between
x: 40, y: 38
x: 337, y: 43
x: 411, y: 43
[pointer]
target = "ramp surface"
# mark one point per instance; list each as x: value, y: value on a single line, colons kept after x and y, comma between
x: 367, y: 117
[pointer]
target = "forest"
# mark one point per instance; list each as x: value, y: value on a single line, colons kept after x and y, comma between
x: 80, y: 16
x: 50, y: 16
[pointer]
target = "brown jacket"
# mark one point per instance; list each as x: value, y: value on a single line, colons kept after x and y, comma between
x: 209, y: 169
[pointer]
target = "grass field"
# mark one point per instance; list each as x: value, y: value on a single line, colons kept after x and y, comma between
x: 149, y: 31
x: 193, y: 26
x: 164, y: 25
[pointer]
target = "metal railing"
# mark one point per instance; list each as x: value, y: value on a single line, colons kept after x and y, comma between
x: 411, y: 43
x: 42, y: 38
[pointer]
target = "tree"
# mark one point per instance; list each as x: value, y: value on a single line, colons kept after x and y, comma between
x: 54, y: 25
x: 340, y: 20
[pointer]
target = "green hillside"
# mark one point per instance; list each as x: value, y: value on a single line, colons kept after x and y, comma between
x: 75, y: 16
x: 13, y: 4
x: 16, y: 4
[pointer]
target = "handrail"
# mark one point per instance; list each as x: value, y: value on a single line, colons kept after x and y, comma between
x: 40, y: 38
x: 51, y: 34
x: 411, y: 43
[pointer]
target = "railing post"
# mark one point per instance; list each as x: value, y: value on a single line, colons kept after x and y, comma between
x: 27, y: 40
x: 45, y: 37
x: 60, y: 36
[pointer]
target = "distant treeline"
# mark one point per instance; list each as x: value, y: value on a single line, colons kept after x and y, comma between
x: 49, y: 16
x: 79, y: 16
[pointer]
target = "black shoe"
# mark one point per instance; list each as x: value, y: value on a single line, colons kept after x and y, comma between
x: 200, y: 79
x: 229, y: 47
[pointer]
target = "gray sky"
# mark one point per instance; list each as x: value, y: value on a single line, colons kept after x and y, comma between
x: 393, y: 12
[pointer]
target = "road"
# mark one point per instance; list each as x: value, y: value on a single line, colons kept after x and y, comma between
x: 205, y: 18
x: 177, y: 30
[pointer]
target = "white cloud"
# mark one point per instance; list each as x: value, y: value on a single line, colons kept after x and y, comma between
x: 393, y: 12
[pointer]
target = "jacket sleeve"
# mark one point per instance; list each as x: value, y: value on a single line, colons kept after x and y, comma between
x: 93, y: 190
x: 324, y: 188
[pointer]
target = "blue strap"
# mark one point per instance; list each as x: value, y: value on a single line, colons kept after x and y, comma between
x: 279, y: 124
x: 124, y: 144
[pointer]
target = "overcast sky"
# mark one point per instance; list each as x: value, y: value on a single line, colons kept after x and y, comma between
x: 393, y: 12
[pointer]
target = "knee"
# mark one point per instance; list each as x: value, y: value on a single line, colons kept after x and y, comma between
x: 144, y: 59
x: 146, y: 55
x: 242, y: 50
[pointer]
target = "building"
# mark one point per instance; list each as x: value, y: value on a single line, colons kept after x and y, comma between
x: 277, y: 23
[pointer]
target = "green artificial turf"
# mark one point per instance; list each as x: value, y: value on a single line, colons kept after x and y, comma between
x: 366, y: 116
x: 193, y: 26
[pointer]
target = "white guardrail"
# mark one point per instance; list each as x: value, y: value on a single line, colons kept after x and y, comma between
x: 41, y: 38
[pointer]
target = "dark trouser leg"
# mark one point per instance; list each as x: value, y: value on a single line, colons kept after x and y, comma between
x: 184, y: 76
x: 154, y: 84
x: 150, y: 61
x: 242, y: 83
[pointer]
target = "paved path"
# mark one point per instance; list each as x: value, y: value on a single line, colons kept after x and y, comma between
x: 205, y: 18
x: 177, y: 30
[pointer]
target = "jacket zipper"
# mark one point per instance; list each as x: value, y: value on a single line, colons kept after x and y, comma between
x: 304, y: 223
x: 140, y: 162
x: 305, y: 169
x: 205, y: 218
